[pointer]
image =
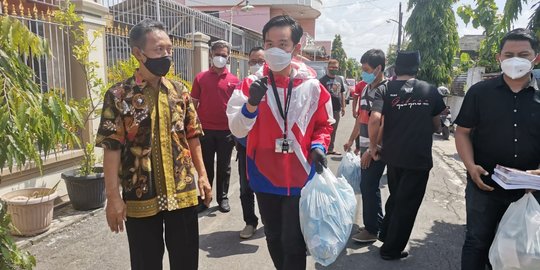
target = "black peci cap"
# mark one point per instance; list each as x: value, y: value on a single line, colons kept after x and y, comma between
x: 408, y: 60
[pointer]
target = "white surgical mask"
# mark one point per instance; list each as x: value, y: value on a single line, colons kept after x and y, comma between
x: 253, y: 69
x: 277, y: 59
x: 219, y: 61
x: 516, y: 67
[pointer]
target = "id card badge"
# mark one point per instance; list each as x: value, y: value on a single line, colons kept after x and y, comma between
x: 284, y: 146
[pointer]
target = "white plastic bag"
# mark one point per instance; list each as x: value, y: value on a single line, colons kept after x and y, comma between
x: 517, y: 242
x: 327, y: 210
x: 349, y: 168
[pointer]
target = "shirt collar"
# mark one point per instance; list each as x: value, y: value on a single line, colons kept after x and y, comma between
x: 224, y: 73
x: 139, y: 81
x: 532, y: 83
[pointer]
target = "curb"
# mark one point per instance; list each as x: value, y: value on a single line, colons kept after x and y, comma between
x: 25, y: 242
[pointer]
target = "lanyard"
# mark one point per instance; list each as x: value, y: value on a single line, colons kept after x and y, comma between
x: 282, y: 111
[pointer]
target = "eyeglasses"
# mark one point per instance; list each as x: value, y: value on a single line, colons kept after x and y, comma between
x: 254, y: 62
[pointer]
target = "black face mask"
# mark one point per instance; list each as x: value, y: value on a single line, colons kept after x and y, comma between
x: 158, y: 66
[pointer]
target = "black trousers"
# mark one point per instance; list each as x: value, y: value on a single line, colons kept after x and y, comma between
x: 407, y: 188
x: 146, y: 243
x: 247, y: 197
x: 484, y: 212
x: 281, y: 219
x: 220, y: 143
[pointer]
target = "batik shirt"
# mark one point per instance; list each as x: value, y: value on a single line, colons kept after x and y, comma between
x: 152, y: 129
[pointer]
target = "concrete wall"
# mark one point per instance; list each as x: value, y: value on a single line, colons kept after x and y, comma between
x: 474, y: 75
x: 308, y: 25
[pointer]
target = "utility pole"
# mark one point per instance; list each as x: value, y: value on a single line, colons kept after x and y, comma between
x: 400, y: 27
x: 158, y: 11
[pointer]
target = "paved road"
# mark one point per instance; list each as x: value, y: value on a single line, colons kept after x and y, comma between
x: 435, y: 242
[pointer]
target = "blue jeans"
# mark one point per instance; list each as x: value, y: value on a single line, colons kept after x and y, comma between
x: 371, y: 196
x: 484, y: 211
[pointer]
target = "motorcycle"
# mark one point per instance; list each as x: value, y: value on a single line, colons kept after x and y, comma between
x: 446, y: 123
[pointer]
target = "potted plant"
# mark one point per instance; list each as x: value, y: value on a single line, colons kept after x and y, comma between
x: 12, y: 257
x: 32, y: 125
x: 31, y: 209
x: 86, y: 184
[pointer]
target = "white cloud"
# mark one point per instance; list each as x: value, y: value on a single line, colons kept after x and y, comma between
x: 362, y: 25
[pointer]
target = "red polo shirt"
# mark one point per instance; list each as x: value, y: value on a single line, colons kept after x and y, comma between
x: 213, y: 91
x: 364, y: 115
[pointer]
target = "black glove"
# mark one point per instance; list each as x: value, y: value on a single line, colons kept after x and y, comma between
x: 319, y: 159
x: 257, y: 90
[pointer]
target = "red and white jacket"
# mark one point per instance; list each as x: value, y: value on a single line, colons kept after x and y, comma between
x: 309, y: 126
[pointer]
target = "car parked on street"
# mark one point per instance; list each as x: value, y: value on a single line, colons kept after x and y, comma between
x: 349, y: 90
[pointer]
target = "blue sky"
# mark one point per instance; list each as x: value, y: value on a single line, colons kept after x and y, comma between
x: 362, y: 23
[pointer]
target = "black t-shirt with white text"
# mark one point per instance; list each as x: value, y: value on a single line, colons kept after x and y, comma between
x: 409, y: 108
x: 335, y: 86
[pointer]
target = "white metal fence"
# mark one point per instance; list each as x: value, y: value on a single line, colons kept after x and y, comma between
x: 54, y: 71
x: 51, y: 71
x: 180, y: 21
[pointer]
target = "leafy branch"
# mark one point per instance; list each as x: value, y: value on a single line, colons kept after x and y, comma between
x: 11, y: 257
x: 32, y: 123
x: 94, y: 86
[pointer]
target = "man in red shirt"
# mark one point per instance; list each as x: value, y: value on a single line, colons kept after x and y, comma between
x: 357, y: 96
x: 211, y: 92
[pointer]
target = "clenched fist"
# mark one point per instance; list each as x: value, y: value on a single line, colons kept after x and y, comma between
x: 257, y: 90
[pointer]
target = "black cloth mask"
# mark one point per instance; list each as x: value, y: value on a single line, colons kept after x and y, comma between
x: 158, y: 66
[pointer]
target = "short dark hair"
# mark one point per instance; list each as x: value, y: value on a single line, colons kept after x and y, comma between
x: 137, y: 34
x: 333, y: 61
x: 521, y: 34
x: 374, y: 58
x: 285, y: 20
x: 256, y: 49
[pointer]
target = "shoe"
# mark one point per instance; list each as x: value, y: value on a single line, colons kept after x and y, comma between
x: 402, y: 255
x: 224, y: 206
x: 201, y: 208
x: 364, y: 236
x: 248, y: 232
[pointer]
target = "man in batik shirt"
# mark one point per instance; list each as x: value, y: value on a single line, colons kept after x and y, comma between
x: 150, y: 134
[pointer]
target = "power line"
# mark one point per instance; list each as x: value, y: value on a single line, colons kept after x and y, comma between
x: 348, y: 4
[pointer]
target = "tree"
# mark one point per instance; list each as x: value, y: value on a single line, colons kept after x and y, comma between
x: 353, y: 68
x: 513, y: 8
x: 339, y: 54
x: 32, y: 123
x: 485, y: 15
x: 391, y: 53
x: 432, y: 30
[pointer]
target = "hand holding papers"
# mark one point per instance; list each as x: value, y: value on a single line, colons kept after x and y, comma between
x: 509, y: 178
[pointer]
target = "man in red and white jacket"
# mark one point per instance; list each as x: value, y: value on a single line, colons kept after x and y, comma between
x: 282, y: 155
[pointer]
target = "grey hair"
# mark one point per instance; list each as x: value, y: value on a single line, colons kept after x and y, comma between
x: 137, y: 34
x: 218, y: 44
